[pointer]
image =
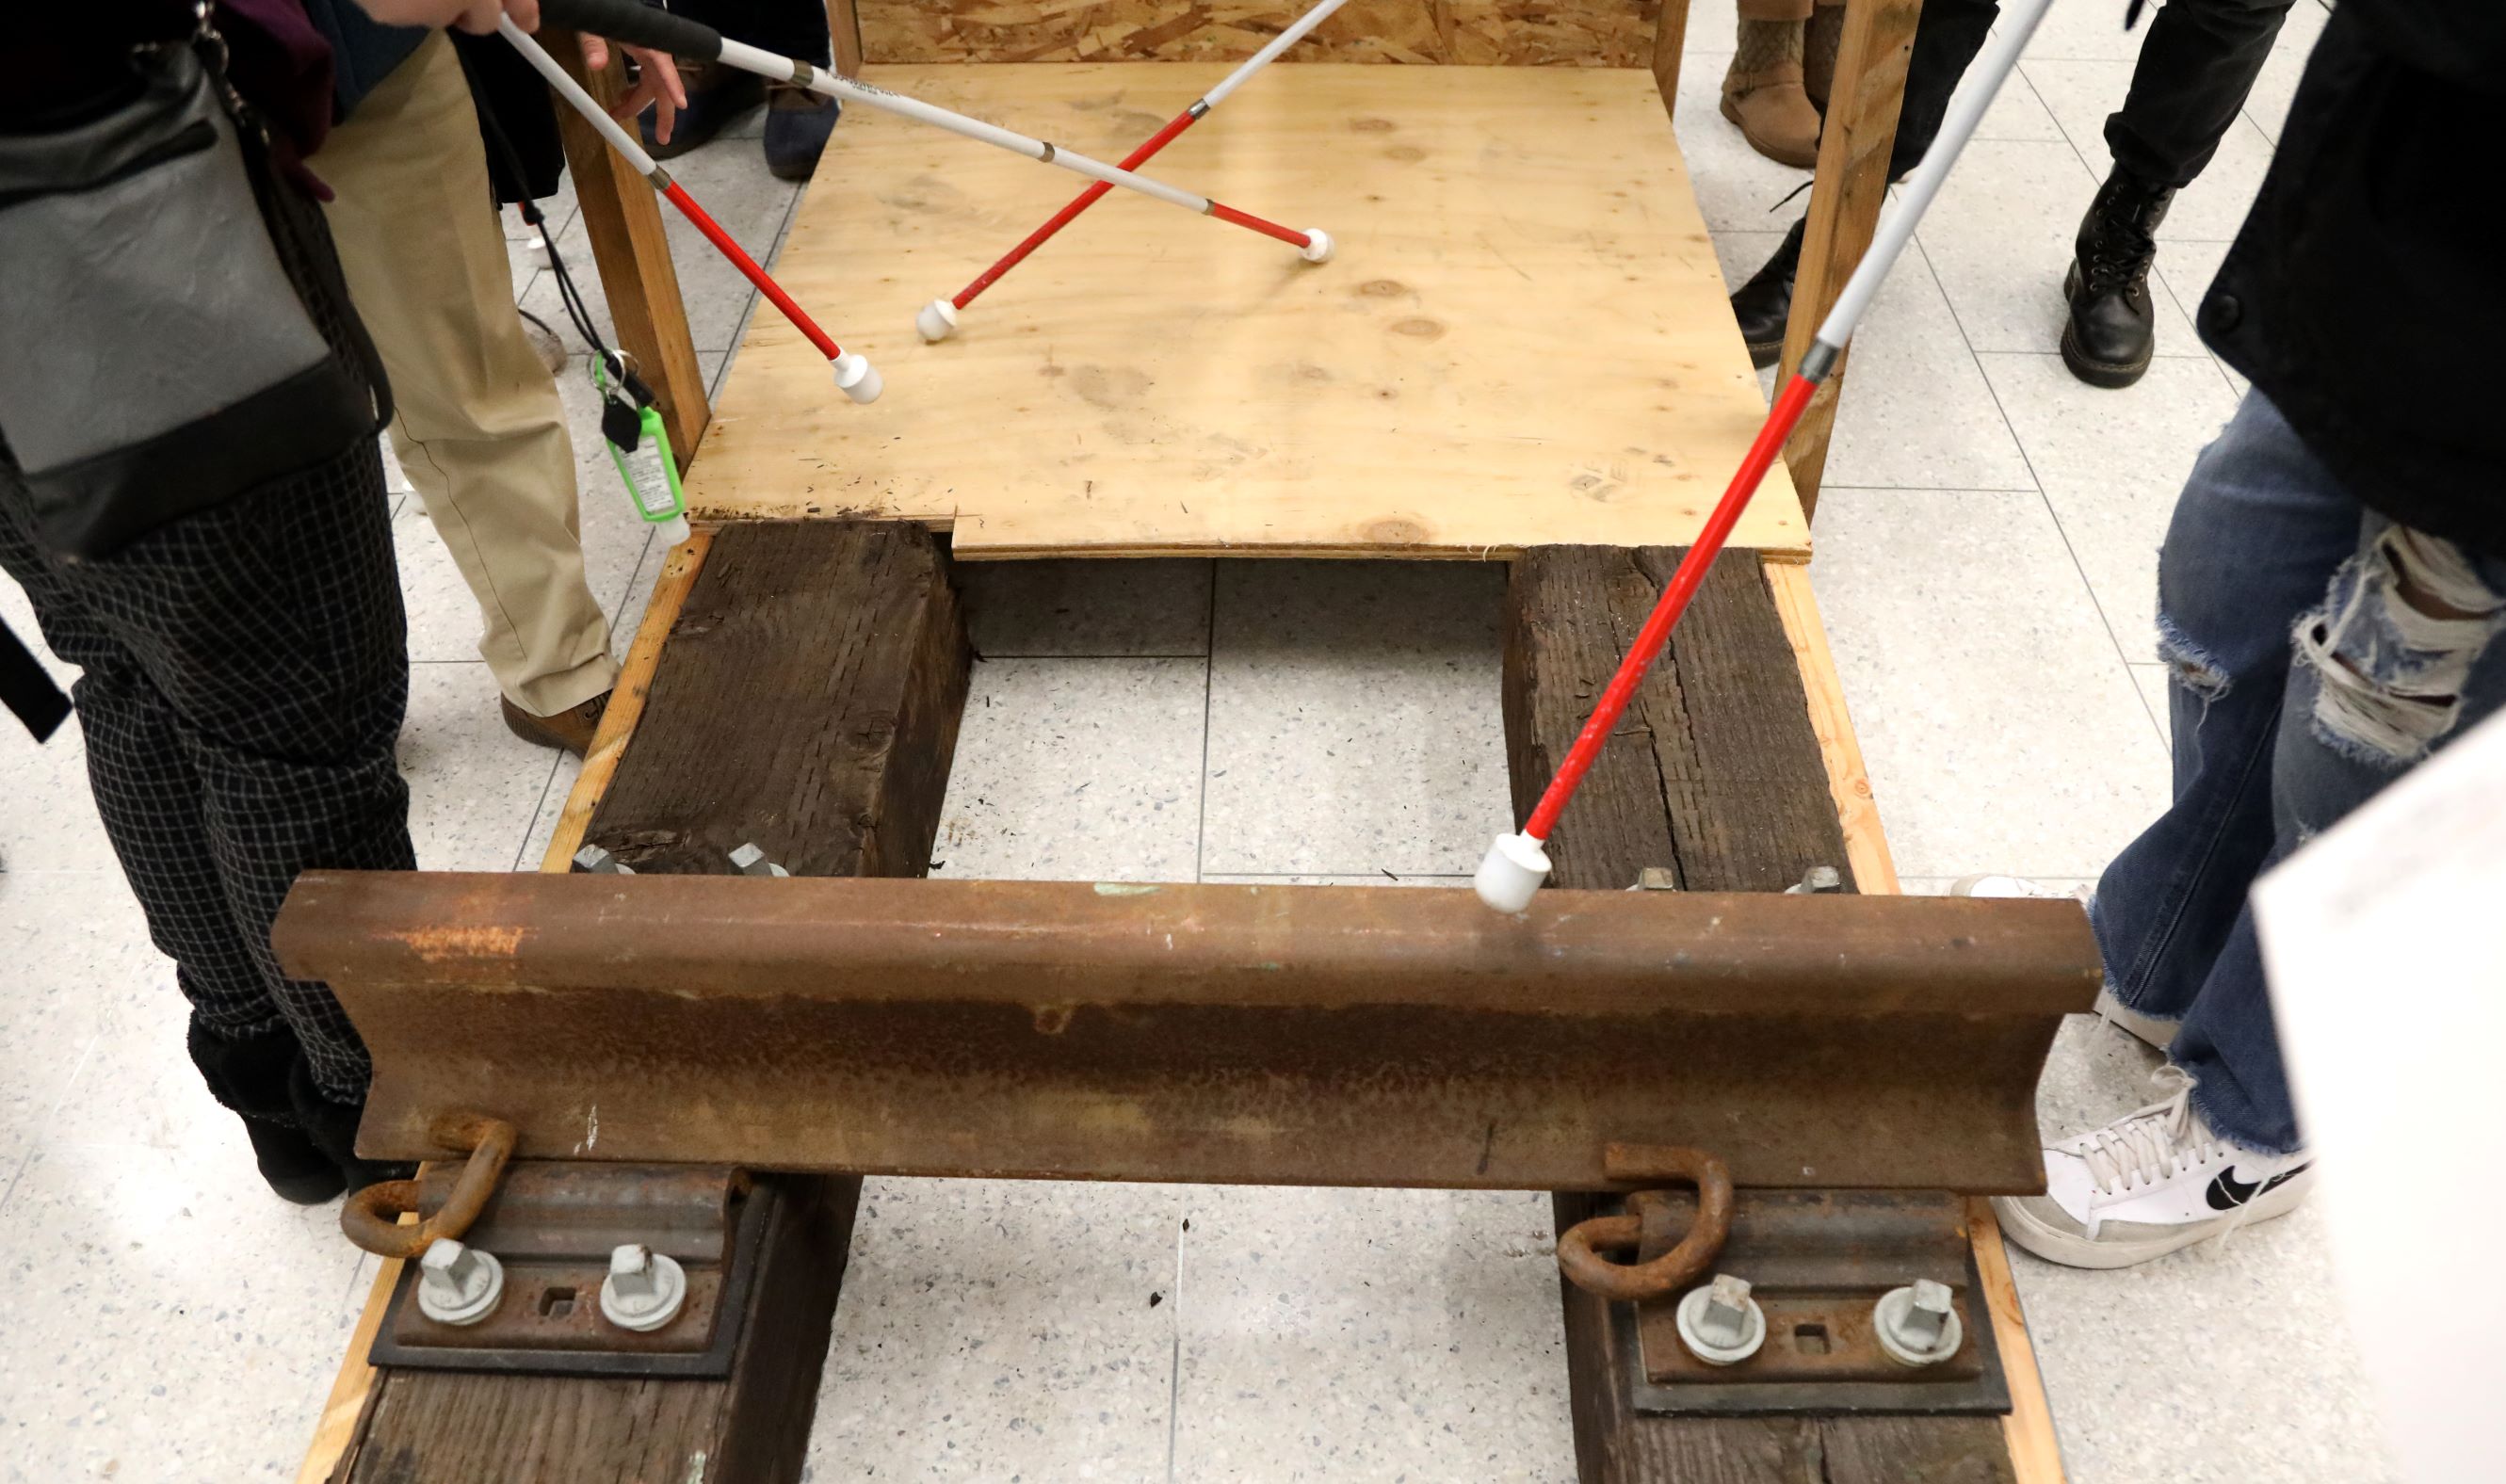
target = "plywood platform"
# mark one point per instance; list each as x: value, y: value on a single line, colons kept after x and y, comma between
x: 1523, y: 339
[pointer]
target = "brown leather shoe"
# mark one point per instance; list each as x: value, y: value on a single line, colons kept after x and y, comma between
x: 571, y: 728
x: 1773, y: 111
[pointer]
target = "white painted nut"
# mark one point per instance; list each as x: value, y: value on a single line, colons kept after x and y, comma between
x: 599, y: 862
x: 750, y: 861
x: 644, y: 1291
x: 1917, y: 1324
x: 457, y: 1285
x: 1720, y: 1324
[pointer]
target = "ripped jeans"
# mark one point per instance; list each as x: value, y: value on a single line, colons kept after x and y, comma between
x: 2316, y: 650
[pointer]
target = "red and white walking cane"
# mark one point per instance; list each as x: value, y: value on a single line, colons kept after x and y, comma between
x: 940, y: 316
x: 1517, y: 863
x: 854, y: 375
x: 663, y: 31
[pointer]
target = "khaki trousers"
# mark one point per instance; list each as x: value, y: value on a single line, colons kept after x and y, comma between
x: 478, y: 428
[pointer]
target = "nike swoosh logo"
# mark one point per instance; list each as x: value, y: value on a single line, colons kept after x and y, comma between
x: 2227, y: 1192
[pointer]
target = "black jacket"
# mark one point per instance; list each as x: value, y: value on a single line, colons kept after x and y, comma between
x: 2366, y: 293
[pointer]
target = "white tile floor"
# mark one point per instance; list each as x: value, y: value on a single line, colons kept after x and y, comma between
x: 1985, y: 569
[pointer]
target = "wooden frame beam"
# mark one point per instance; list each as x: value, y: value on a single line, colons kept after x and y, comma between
x: 1846, y: 192
x: 632, y: 251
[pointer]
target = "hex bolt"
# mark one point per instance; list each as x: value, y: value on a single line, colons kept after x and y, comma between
x: 598, y: 862
x: 458, y: 1285
x: 1818, y: 881
x: 750, y: 861
x: 644, y: 1291
x: 1917, y: 1324
x: 1656, y: 878
x: 1720, y: 1324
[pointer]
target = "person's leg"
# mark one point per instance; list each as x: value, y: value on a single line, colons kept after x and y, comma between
x: 2259, y: 528
x: 797, y: 122
x: 1763, y: 92
x: 2400, y: 656
x: 480, y: 429
x: 148, y: 797
x: 2196, y: 64
x: 1947, y: 36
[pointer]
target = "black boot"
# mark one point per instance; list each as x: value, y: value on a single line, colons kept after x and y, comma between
x: 2112, y: 328
x: 1765, y: 303
x: 250, y: 1075
x: 333, y: 1129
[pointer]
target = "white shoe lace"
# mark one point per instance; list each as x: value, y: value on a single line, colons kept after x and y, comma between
x: 2154, y: 1143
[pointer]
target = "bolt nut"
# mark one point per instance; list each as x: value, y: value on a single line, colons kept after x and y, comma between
x: 1657, y: 878
x: 644, y: 1291
x: 599, y: 862
x: 1720, y: 1324
x: 1818, y: 881
x: 458, y: 1285
x: 750, y: 861
x: 1917, y: 1324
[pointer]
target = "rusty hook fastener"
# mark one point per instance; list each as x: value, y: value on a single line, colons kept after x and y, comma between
x: 372, y: 1216
x: 1581, y: 1245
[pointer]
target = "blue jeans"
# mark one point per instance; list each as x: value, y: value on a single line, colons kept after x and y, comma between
x: 2315, y: 651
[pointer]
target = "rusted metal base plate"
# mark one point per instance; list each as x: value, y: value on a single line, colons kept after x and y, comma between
x: 1326, y: 1036
x: 1817, y: 1262
x: 553, y: 1227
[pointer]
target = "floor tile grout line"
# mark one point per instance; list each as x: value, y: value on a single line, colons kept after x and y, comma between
x: 2008, y: 426
x: 522, y: 851
x: 1208, y: 709
x: 1174, y: 1353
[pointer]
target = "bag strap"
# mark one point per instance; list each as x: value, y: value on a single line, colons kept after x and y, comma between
x: 26, y: 687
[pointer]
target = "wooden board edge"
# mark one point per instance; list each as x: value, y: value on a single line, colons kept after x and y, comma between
x: 1866, y: 846
x: 351, y: 1388
x: 627, y: 702
x: 2035, y: 1453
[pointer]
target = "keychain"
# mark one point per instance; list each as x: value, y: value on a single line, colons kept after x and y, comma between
x: 640, y: 446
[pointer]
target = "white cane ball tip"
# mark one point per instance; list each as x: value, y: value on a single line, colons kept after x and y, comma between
x: 1319, y: 246
x: 936, y: 320
x: 1510, y: 873
x: 857, y: 378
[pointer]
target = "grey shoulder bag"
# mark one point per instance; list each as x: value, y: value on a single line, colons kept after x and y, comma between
x: 175, y: 329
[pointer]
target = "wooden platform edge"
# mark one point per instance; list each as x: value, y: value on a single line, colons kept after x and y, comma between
x: 354, y: 1385
x: 2035, y: 1452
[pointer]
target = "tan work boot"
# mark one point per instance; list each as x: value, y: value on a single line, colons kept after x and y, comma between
x: 1772, y: 110
x: 571, y: 728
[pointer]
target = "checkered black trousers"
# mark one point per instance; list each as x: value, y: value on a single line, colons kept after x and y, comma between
x: 245, y: 674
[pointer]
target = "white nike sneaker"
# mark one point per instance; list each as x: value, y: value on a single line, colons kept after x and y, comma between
x: 2148, y: 1183
x: 2113, y: 1011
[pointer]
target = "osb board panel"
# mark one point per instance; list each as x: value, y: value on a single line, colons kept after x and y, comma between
x: 1522, y: 340
x: 1577, y: 33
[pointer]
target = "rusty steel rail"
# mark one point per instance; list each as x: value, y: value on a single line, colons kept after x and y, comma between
x: 1277, y: 1035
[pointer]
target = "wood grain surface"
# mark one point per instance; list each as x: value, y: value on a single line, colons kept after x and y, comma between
x: 1523, y: 337
x: 1575, y: 33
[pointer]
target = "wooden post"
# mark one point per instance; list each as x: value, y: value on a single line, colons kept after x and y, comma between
x: 1669, y: 34
x: 867, y: 613
x: 1845, y: 194
x: 624, y: 219
x: 1718, y: 772
x: 844, y: 35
